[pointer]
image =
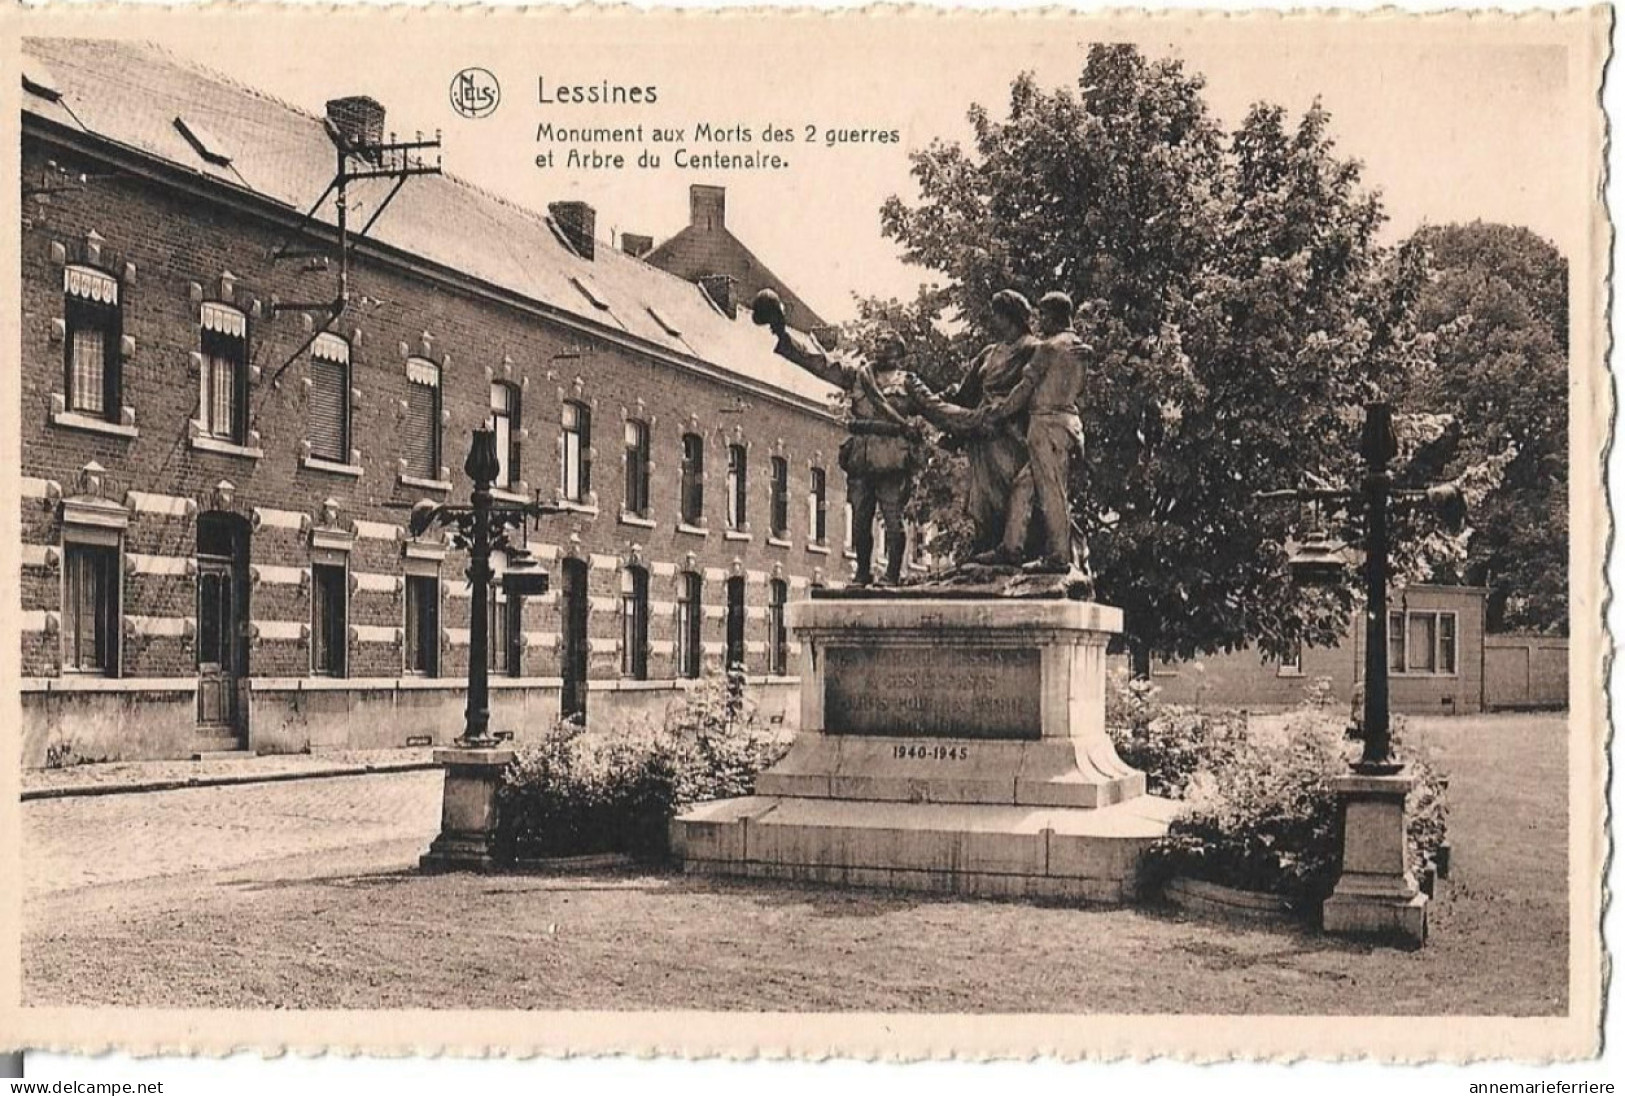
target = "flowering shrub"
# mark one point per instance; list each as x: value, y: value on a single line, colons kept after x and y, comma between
x: 581, y: 791
x: 1260, y: 806
x: 1167, y: 742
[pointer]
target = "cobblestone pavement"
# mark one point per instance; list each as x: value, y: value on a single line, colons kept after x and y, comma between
x: 72, y: 844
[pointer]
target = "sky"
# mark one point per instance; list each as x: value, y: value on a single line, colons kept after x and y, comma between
x: 1450, y: 126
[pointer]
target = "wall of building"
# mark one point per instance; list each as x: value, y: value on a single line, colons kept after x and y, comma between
x: 1526, y: 671
x: 1242, y: 679
x: 171, y: 252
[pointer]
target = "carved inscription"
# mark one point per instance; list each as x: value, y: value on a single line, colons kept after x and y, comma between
x: 938, y: 692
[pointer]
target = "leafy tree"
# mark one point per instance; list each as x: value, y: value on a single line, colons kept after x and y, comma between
x: 1496, y: 303
x: 1239, y: 306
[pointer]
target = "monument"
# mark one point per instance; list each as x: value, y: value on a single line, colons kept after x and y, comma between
x: 952, y: 733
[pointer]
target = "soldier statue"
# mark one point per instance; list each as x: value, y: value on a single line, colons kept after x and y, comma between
x: 882, y: 452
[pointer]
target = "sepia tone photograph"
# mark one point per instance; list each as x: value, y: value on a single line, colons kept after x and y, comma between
x: 943, y: 518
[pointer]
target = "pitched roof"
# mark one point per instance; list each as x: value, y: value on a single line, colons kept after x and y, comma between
x: 144, y: 98
x: 697, y: 251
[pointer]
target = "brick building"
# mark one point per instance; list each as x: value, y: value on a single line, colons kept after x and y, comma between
x: 1436, y: 662
x: 705, y: 251
x: 215, y: 483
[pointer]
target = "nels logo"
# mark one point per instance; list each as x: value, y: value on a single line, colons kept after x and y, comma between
x: 475, y: 93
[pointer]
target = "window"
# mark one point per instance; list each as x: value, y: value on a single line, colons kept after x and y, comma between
x: 689, y: 615
x: 738, y: 487
x: 851, y: 527
x: 328, y: 408
x: 505, y: 420
x: 693, y: 487
x: 818, y: 508
x: 635, y: 623
x: 778, y: 640
x: 91, y: 313
x: 736, y: 622
x: 1292, y: 664
x: 780, y: 510
x: 423, y: 625
x: 505, y: 629
x: 223, y: 396
x: 421, y: 444
x: 329, y: 630
x: 573, y: 607
x: 637, y: 468
x: 90, y: 608
x: 575, y: 468
x: 1422, y: 642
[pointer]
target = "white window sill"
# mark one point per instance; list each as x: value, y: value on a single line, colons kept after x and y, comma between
x: 692, y: 530
x: 818, y: 549
x: 502, y: 494
x: 641, y: 522
x: 850, y: 554
x: 778, y: 542
x: 229, y: 448
x: 73, y: 420
x: 1289, y: 673
x: 735, y: 534
x: 1424, y: 674
x: 574, y: 507
x: 337, y: 468
x: 425, y: 484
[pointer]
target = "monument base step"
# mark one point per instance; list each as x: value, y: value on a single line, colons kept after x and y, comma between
x: 980, y: 850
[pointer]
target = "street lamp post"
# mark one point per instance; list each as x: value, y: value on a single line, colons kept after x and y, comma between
x: 474, y: 766
x: 1375, y: 894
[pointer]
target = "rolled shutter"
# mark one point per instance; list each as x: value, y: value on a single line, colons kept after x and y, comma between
x: 421, y: 424
x: 329, y: 392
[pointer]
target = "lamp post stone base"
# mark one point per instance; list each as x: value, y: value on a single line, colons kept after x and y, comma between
x: 468, y: 809
x: 1375, y: 895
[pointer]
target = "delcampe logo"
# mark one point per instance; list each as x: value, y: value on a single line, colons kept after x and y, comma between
x: 475, y: 93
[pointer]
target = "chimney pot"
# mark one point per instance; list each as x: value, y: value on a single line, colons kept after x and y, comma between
x: 359, y: 119
x: 720, y: 288
x: 635, y: 245
x: 578, y: 221
x: 707, y: 206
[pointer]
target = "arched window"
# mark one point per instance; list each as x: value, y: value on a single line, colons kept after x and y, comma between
x: 818, y: 508
x: 778, y: 638
x: 689, y: 615
x: 636, y: 499
x: 505, y: 420
x: 738, y: 488
x: 779, y: 515
x: 575, y: 464
x: 635, y: 623
x: 693, y: 486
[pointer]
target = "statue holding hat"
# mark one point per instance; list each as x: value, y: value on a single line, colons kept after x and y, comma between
x: 882, y: 450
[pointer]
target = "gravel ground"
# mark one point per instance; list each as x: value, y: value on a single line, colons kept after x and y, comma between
x: 303, y: 896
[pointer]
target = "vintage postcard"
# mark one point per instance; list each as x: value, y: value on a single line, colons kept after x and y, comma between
x: 903, y: 533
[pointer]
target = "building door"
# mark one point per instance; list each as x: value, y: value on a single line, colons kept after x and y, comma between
x: 222, y: 610
x: 574, y: 648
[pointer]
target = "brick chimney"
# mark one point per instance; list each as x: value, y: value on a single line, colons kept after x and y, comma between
x: 720, y: 288
x: 635, y: 245
x: 359, y: 119
x: 576, y: 220
x: 708, y: 207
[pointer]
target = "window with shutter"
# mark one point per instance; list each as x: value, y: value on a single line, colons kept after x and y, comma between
x: 329, y: 403
x: 421, y: 444
x: 91, y: 312
x: 225, y: 372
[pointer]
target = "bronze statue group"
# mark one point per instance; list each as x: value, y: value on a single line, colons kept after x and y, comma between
x: 1014, y: 415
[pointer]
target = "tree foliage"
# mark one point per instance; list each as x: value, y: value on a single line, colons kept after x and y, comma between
x: 1496, y: 304
x: 1239, y: 305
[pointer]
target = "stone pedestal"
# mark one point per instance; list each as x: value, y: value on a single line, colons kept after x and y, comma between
x: 949, y: 744
x: 468, y: 809
x: 1375, y: 895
